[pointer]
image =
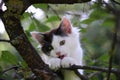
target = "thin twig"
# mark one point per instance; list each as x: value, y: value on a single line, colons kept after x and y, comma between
x: 93, y: 68
x: 73, y: 13
x: 110, y: 67
x: 93, y: 74
x: 13, y: 67
x: 114, y: 41
x: 54, y: 11
x: 82, y: 77
x: 116, y: 2
x: 111, y: 52
x: 2, y: 40
x: 110, y: 8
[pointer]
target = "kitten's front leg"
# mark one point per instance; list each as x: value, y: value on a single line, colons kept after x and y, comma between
x: 54, y: 63
x: 67, y: 62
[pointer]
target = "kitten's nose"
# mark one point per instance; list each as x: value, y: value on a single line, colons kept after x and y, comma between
x: 58, y: 53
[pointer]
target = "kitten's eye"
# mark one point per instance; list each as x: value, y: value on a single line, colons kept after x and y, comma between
x: 62, y: 42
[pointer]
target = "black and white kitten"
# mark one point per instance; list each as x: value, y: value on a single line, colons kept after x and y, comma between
x: 61, y: 48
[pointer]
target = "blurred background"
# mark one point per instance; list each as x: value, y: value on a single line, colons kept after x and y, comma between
x: 96, y: 25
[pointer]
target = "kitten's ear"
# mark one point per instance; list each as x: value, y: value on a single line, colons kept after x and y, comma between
x: 66, y: 26
x: 38, y: 36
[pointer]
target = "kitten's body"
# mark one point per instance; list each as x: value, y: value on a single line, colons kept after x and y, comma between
x: 62, y: 47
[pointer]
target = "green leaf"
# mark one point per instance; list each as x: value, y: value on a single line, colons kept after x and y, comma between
x: 25, y: 15
x: 31, y: 27
x: 40, y: 26
x: 113, y: 77
x: 0, y: 68
x: 104, y: 57
x: 109, y: 22
x: 98, y: 13
x: 41, y: 6
x: 9, y: 57
x: 88, y: 21
x: 83, y: 30
x: 52, y: 18
x: 23, y: 64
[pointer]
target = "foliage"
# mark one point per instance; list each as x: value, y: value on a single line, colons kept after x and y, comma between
x: 96, y: 37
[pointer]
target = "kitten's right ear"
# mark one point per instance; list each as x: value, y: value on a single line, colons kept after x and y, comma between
x: 38, y: 36
x: 66, y: 26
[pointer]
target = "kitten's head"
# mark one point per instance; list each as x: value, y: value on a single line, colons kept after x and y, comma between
x: 59, y: 42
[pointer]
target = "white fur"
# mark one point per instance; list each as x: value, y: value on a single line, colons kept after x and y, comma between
x: 73, y: 51
x: 55, y: 63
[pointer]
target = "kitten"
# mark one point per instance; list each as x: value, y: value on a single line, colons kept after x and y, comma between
x: 61, y: 48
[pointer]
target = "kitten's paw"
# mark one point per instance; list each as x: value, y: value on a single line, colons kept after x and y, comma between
x: 54, y: 63
x: 67, y: 62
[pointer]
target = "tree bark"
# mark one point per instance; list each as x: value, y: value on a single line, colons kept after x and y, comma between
x: 58, y: 1
x: 18, y: 39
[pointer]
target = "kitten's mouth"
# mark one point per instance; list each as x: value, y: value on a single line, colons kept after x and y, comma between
x: 61, y: 56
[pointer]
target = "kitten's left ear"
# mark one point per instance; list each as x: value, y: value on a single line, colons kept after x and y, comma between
x: 37, y: 36
x: 66, y: 26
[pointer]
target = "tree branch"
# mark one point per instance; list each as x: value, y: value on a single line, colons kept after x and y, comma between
x: 93, y: 68
x: 2, y: 40
x: 11, y: 20
x: 108, y: 6
x: 58, y: 1
x: 13, y: 67
x: 82, y: 77
x: 116, y: 2
x: 93, y: 74
x: 114, y: 40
